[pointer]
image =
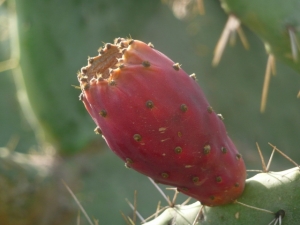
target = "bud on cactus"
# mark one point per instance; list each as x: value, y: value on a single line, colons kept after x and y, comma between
x: 157, y: 120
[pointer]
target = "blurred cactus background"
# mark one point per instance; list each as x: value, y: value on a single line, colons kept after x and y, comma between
x: 47, y: 136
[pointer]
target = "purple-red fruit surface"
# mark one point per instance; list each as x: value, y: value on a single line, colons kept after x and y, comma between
x: 157, y: 120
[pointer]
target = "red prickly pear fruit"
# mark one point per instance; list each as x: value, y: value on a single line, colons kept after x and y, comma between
x: 157, y: 120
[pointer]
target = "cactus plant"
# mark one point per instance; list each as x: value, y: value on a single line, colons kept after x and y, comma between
x: 272, y: 192
x: 277, y: 23
x: 81, y: 18
x: 47, y: 33
x: 31, y: 192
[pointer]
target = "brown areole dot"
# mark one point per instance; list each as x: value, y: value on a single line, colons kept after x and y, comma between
x: 118, y: 40
x: 84, y: 79
x: 176, y: 66
x: 137, y: 137
x: 195, y: 179
x: 236, y: 184
x: 238, y: 156
x: 101, y: 51
x: 131, y: 41
x: 112, y: 83
x: 122, y: 44
x: 210, y: 109
x: 178, y: 149
x: 206, y: 149
x: 183, y: 108
x: 110, y: 70
x: 218, y: 179
x: 149, y: 104
x: 220, y: 117
x: 83, y: 70
x: 146, y: 63
x: 193, y: 76
x: 128, y: 163
x: 85, y: 86
x: 103, y: 113
x: 100, y: 78
x: 108, y: 46
x: 165, y: 175
x: 123, y: 50
x: 150, y: 45
x: 97, y: 130
x: 224, y: 150
x: 91, y: 60
x: 212, y: 197
x: 121, y: 66
x: 183, y: 189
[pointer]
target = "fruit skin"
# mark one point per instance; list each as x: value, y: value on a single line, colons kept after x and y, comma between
x: 157, y: 120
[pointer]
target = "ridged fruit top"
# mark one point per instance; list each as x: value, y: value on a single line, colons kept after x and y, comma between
x: 156, y: 118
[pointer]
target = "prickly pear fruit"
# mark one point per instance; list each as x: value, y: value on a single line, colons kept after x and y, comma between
x: 157, y: 120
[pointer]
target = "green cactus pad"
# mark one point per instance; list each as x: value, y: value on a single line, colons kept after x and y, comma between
x: 271, y: 191
x: 276, y: 22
